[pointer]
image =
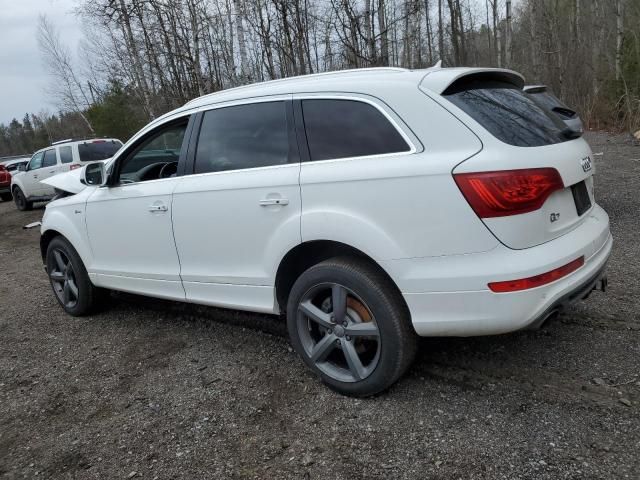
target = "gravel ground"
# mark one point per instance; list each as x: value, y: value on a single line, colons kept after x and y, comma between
x: 156, y: 389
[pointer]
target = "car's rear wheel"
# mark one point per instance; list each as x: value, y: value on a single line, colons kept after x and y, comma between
x: 21, y: 201
x: 6, y: 197
x: 351, y: 326
x: 69, y: 279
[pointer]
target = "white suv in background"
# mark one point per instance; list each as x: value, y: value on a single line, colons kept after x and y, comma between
x: 60, y: 157
x: 372, y: 206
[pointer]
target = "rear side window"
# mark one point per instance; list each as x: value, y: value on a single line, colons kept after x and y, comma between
x: 507, y: 112
x: 243, y: 136
x: 348, y: 128
x: 98, y: 150
x: 65, y: 154
x: 49, y: 159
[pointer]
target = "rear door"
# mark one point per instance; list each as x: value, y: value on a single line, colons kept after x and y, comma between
x: 238, y: 213
x: 519, y: 135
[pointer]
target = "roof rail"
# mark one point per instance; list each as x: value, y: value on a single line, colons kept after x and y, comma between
x: 298, y: 77
x: 78, y: 139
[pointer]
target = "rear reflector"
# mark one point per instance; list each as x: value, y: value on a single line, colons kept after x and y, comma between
x: 508, y: 192
x: 538, y: 280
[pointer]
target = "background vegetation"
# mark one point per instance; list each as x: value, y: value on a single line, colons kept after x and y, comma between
x: 141, y: 58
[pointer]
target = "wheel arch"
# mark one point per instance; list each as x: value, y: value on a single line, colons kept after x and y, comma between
x: 305, y: 255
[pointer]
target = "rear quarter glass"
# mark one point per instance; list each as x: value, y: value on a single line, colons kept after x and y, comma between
x: 506, y: 112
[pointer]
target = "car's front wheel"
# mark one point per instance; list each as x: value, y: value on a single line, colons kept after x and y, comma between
x: 22, y: 203
x: 351, y: 326
x: 69, y: 279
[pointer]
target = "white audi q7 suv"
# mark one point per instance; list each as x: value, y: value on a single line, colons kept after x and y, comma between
x: 371, y: 206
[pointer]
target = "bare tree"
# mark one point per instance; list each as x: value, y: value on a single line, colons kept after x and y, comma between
x: 66, y: 86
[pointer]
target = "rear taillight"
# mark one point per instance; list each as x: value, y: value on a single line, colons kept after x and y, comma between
x: 537, y: 280
x: 3, y: 168
x: 508, y: 192
x: 73, y: 166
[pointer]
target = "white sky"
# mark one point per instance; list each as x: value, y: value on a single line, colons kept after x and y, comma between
x: 23, y: 78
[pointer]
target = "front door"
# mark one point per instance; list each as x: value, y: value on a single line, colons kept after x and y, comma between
x: 30, y: 179
x: 129, y: 221
x: 50, y: 167
x: 239, y: 213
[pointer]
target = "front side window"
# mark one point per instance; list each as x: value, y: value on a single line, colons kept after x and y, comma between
x: 49, y: 159
x: 94, y: 150
x: 348, y: 128
x: 36, y: 161
x: 66, y: 156
x: 156, y: 157
x: 243, y: 136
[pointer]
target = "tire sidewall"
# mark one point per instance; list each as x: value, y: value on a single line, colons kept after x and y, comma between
x: 20, y: 199
x: 382, y: 309
x: 85, y: 288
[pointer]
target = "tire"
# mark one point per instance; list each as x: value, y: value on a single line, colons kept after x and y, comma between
x: 6, y: 197
x: 327, y: 338
x: 22, y: 203
x: 69, y: 279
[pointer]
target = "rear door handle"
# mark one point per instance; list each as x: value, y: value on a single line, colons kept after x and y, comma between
x: 265, y: 202
x: 158, y: 208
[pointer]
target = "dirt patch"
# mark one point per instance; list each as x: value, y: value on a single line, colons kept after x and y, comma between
x: 167, y: 390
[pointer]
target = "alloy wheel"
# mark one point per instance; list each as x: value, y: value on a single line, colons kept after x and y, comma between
x: 63, y: 279
x: 338, y: 332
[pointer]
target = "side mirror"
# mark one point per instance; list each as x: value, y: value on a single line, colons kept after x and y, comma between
x: 94, y: 174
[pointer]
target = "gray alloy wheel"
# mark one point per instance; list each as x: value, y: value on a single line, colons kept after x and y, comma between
x: 338, y: 332
x: 63, y: 279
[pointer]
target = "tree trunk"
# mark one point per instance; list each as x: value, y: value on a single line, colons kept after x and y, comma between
x: 619, y: 38
x: 384, y: 34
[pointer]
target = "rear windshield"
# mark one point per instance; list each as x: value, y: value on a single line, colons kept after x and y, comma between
x: 98, y: 150
x: 507, y: 112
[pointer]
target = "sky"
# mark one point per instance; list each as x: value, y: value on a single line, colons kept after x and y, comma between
x: 23, y: 78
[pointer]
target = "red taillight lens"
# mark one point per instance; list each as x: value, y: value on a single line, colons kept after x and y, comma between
x: 508, y: 192
x: 538, y: 280
x: 73, y: 166
x: 3, y: 168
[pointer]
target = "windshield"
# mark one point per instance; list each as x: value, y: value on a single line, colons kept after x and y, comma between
x: 98, y: 150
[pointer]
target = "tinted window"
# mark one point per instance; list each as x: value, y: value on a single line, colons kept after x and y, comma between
x: 36, y: 161
x: 15, y: 166
x: 98, y: 150
x: 65, y: 154
x: 50, y: 158
x: 244, y: 136
x: 507, y: 113
x: 156, y: 157
x: 347, y: 128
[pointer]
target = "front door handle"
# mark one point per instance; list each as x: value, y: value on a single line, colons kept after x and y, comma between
x: 158, y: 208
x: 265, y: 202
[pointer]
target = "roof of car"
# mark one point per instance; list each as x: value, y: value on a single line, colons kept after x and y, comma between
x: 71, y: 141
x: 359, y: 80
x: 15, y: 160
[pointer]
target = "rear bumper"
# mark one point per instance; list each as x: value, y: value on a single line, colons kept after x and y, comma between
x: 438, y: 308
x: 5, y: 188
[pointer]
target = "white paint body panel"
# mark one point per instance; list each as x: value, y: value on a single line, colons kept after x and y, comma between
x: 216, y: 245
x: 225, y: 237
x: 129, y: 240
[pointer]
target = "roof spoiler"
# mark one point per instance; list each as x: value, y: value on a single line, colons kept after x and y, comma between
x: 439, y: 80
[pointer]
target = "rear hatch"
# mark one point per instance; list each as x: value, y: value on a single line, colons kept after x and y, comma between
x: 533, y: 180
